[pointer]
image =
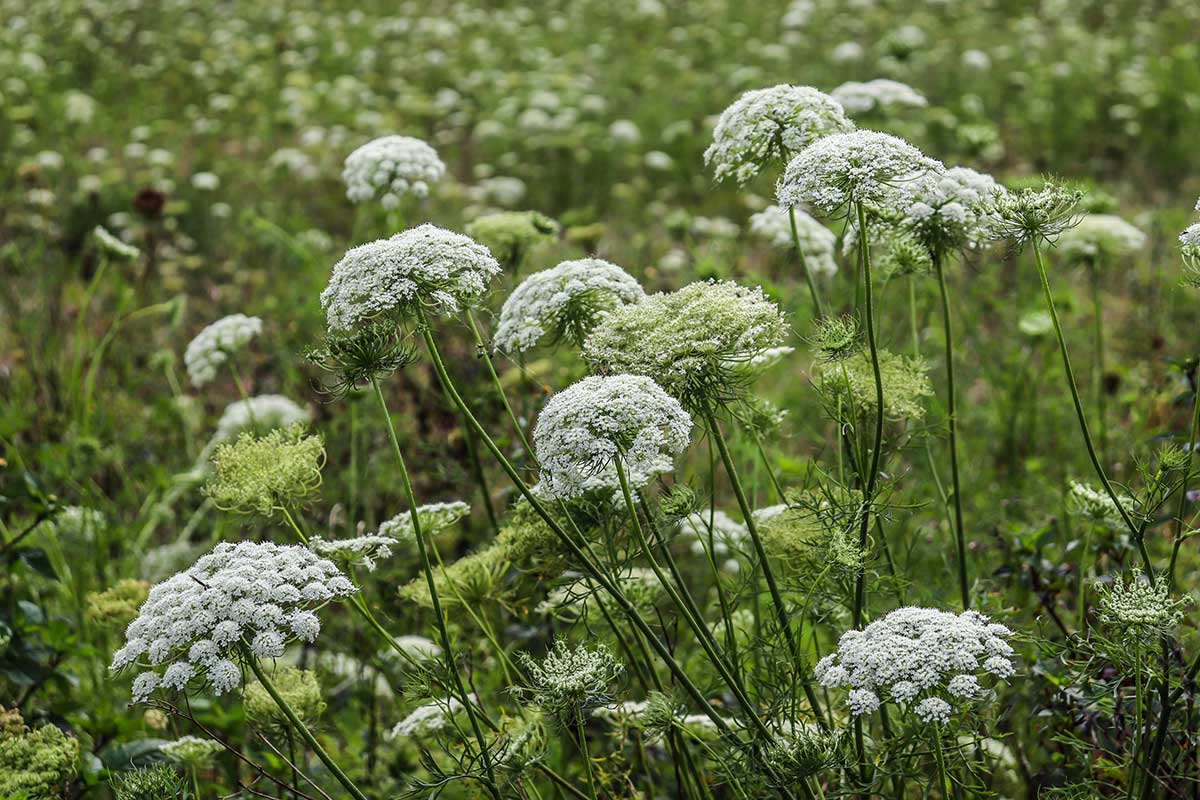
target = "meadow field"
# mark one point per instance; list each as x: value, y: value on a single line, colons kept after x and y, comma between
x: 599, y: 399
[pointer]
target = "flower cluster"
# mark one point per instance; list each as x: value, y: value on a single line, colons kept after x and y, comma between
x: 880, y: 94
x: 298, y: 688
x: 428, y: 718
x: 394, y: 166
x: 261, y: 474
x: 861, y: 167
x: 422, y: 266
x: 433, y: 517
x: 241, y: 600
x: 563, y: 302
x: 945, y: 212
x: 1094, y: 505
x: 587, y: 427
x: 1138, y: 611
x: 768, y: 125
x: 816, y: 241
x: 119, y: 604
x: 1099, y: 238
x: 512, y: 234
x: 35, y: 763
x: 922, y: 657
x: 690, y: 341
x: 359, y: 551
x: 262, y: 413
x: 213, y: 346
x: 571, y: 681
x: 905, y: 383
x: 1033, y: 214
x: 1189, y: 247
x: 113, y: 247
x: 191, y: 751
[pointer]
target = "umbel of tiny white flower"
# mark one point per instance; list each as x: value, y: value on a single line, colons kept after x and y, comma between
x: 880, y: 94
x: 214, y: 345
x: 1099, y: 239
x: 599, y: 421
x: 905, y: 383
x: 390, y: 167
x: 816, y: 241
x: 563, y: 302
x: 359, y: 551
x: 867, y: 168
x: 694, y: 342
x: 570, y: 681
x: 241, y: 601
x: 1094, y: 505
x: 191, y: 751
x: 260, y: 414
x: 422, y: 267
x: 924, y: 658
x: 428, y: 718
x: 112, y: 246
x: 434, y: 517
x: 945, y: 213
x: 510, y: 235
x: 771, y: 125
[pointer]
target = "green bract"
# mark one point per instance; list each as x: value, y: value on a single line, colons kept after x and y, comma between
x: 260, y: 475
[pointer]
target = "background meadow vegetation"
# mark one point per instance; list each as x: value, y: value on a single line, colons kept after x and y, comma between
x: 211, y: 137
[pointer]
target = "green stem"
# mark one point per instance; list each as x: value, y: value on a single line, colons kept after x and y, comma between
x: 443, y: 632
x: 808, y: 277
x: 785, y: 623
x: 1183, y: 489
x: 1083, y: 426
x: 959, y: 534
x: 303, y: 730
x: 1098, y: 377
x: 491, y: 367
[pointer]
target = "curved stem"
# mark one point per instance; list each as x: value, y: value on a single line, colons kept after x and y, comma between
x: 960, y: 537
x: 1183, y: 489
x: 818, y: 309
x: 443, y: 632
x: 1083, y: 426
x: 303, y: 730
x: 491, y: 367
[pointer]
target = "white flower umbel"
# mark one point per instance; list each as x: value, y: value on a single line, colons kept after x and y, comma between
x: 360, y: 551
x: 880, y: 94
x: 946, y: 214
x: 434, y: 517
x: 922, y: 657
x: 426, y: 266
x: 816, y: 241
x: 261, y: 413
x: 768, y: 125
x: 429, y: 718
x: 112, y: 246
x: 585, y: 428
x: 563, y: 302
x: 864, y: 167
x: 213, y: 346
x: 1191, y: 236
x: 389, y: 168
x: 245, y: 600
x: 1100, y: 238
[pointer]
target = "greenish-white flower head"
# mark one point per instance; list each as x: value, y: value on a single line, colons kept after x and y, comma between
x: 149, y: 783
x: 1036, y: 324
x: 119, y: 604
x: 868, y: 168
x: 945, y: 213
x: 1099, y: 239
x: 426, y: 267
x: 299, y: 688
x: 216, y: 344
x: 35, y: 763
x: 1189, y: 247
x: 769, y: 126
x: 241, y: 601
x: 390, y: 167
x: 433, y: 518
x: 429, y: 719
x: 799, y: 751
x: 1094, y: 505
x: 1027, y: 215
x: 358, y: 551
x: 836, y: 338
x: 78, y: 523
x: 905, y: 384
x: 571, y: 681
x: 587, y: 428
x: 694, y: 342
x: 510, y: 235
x: 879, y: 95
x: 816, y: 241
x: 192, y: 751
x: 1139, y: 612
x: 112, y: 246
x: 563, y: 303
x: 928, y: 660
x: 262, y: 474
x: 260, y: 414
